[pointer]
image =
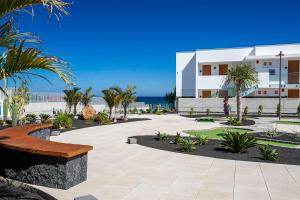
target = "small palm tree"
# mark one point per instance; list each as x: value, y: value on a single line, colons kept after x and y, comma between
x: 170, y: 98
x: 128, y: 97
x: 87, y: 96
x: 242, y: 76
x: 118, y: 94
x: 72, y: 98
x: 109, y: 96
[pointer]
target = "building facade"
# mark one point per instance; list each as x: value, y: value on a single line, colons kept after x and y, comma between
x: 201, y: 73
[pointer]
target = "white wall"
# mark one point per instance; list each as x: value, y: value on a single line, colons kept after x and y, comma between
x: 275, y: 49
x: 210, y: 82
x: 185, y: 74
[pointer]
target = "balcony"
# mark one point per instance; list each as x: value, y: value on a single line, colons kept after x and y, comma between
x: 213, y: 82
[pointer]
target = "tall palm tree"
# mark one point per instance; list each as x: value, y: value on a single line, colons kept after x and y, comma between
x: 87, y: 96
x: 128, y: 97
x: 109, y: 97
x: 72, y: 98
x: 117, y: 99
x: 242, y: 76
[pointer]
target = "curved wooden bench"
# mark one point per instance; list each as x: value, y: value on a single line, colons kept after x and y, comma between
x: 32, y: 160
x: 18, y: 138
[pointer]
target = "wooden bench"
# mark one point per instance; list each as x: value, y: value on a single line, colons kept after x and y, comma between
x: 27, y: 158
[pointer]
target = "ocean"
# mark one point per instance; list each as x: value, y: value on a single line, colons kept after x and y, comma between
x: 153, y: 101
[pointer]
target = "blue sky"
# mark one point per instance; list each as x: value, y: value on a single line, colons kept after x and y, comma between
x: 120, y: 42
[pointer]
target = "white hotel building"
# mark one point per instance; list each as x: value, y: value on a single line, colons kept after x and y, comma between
x: 201, y: 73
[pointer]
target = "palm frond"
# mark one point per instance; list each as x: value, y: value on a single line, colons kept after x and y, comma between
x: 23, y: 61
x: 57, y: 7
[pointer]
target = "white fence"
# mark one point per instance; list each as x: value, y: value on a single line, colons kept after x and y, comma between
x: 216, y: 105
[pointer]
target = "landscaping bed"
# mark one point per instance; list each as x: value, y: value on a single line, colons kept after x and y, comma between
x: 212, y: 149
x: 281, y: 137
x: 287, y: 122
x: 81, y: 123
x: 11, y: 190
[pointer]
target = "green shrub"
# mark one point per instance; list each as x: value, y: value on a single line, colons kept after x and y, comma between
x: 233, y: 121
x: 260, y: 109
x: 237, y: 142
x: 102, y: 118
x: 45, y: 118
x: 30, y: 118
x: 162, y: 136
x: 298, y: 110
x: 245, y: 113
x: 187, y: 145
x: 200, y: 140
x: 191, y: 112
x: 135, y: 110
x: 148, y: 110
x: 207, y: 111
x: 272, y: 132
x: 177, y: 139
x: 5, y: 108
x: 268, y: 153
x: 205, y: 119
x: 62, y: 121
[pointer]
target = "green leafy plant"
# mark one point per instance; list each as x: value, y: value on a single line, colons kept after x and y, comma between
x: 177, y: 138
x: 191, y: 112
x: 103, y: 118
x: 187, y: 145
x: 45, y: 118
x: 201, y: 140
x: 90, y: 121
x: 237, y: 142
x: 134, y: 110
x: 62, y: 121
x: 268, y: 153
x: 298, y: 110
x: 245, y: 113
x: 260, y: 109
x: 207, y: 111
x: 148, y: 110
x: 30, y: 118
x: 272, y: 132
x: 233, y: 121
x: 162, y: 136
x: 5, y: 109
x: 205, y: 119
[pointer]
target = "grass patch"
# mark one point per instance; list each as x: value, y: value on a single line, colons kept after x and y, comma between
x: 219, y: 132
x: 286, y: 122
x: 210, y: 119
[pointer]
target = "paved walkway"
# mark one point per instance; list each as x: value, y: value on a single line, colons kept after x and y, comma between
x: 120, y: 171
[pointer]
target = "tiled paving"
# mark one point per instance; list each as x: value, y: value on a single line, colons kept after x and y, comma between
x: 119, y: 171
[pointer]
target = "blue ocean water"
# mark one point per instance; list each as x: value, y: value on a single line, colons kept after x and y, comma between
x: 153, y: 101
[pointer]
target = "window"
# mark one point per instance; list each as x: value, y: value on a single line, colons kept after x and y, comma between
x: 259, y: 92
x: 276, y: 92
x: 265, y: 92
x: 272, y: 72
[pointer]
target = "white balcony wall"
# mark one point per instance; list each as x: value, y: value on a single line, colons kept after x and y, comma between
x: 210, y: 82
x: 275, y: 49
x: 263, y: 80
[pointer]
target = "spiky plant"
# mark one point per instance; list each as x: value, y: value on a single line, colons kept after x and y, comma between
x: 237, y: 142
x: 242, y: 76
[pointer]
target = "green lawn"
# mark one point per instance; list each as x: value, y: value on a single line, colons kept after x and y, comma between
x: 287, y: 122
x: 210, y: 119
x: 218, y: 132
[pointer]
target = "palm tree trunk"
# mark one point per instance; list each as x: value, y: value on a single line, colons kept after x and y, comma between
x: 238, y: 103
x: 74, y: 111
x: 115, y: 115
x: 125, y: 113
x: 110, y: 113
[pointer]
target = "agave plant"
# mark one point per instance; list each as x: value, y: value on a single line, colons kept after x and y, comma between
x: 238, y: 142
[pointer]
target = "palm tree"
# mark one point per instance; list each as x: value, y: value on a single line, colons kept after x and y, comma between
x: 128, y: 97
x: 72, y: 98
x: 109, y: 97
x: 87, y: 96
x: 117, y: 99
x: 170, y: 98
x: 57, y: 7
x: 242, y: 76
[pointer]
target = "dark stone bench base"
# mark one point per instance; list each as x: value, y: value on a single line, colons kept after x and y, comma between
x: 48, y: 171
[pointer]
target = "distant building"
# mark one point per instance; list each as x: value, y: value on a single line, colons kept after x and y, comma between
x: 201, y: 73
